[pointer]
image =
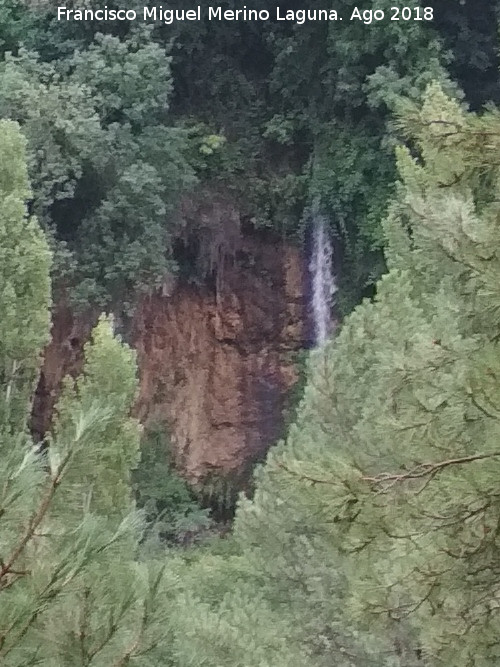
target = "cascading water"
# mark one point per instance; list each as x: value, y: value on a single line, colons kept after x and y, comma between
x: 323, y: 285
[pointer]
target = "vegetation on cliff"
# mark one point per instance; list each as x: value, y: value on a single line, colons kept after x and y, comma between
x: 373, y: 534
x: 372, y: 537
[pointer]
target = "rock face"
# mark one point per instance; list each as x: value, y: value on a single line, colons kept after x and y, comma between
x: 216, y: 364
x: 63, y: 356
x: 216, y: 361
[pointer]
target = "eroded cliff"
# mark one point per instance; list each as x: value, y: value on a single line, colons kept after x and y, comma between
x: 216, y: 359
x: 216, y: 364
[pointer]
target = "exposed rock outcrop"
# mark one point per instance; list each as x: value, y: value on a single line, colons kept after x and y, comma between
x: 216, y: 364
x: 63, y: 356
x: 215, y: 360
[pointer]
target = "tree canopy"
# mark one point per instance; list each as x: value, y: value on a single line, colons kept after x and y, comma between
x: 127, y: 122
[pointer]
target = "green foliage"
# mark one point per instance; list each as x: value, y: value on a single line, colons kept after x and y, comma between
x: 170, y: 507
x: 469, y: 31
x: 15, y: 20
x: 221, y: 493
x: 272, y: 115
x: 384, y: 467
x: 206, y: 150
x: 24, y: 285
x: 296, y: 392
x: 210, y: 144
x: 71, y: 589
x: 108, y: 378
x: 107, y: 168
x: 372, y: 537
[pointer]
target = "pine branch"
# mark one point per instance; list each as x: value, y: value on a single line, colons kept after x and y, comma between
x: 113, y: 626
x: 7, y: 566
x: 82, y: 635
x: 125, y: 659
x: 45, y: 595
x: 306, y: 478
x: 428, y: 469
x: 460, y: 130
x: 421, y: 471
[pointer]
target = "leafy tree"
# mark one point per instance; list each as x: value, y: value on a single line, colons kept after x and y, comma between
x: 469, y: 31
x: 107, y: 167
x: 307, y: 119
x: 15, y: 20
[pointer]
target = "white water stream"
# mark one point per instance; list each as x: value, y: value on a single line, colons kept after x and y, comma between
x: 323, y: 281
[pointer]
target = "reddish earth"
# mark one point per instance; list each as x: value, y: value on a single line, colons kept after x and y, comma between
x: 215, y: 362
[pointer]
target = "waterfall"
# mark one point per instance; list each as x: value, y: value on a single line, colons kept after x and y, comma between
x: 323, y: 285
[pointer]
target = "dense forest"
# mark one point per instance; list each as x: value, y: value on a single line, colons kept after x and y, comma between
x: 370, y: 535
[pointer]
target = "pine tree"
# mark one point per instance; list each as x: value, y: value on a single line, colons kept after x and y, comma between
x: 109, y: 379
x: 73, y: 590
x: 24, y: 286
x: 372, y: 538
